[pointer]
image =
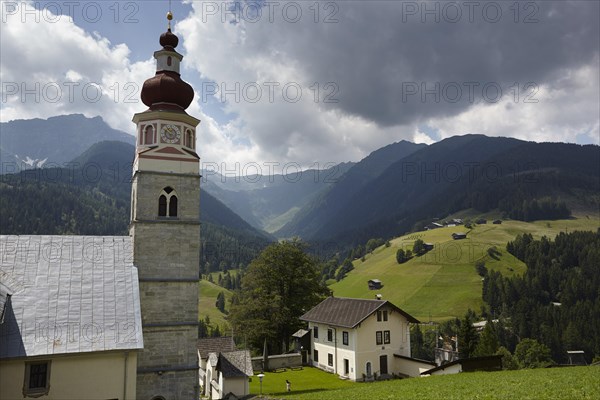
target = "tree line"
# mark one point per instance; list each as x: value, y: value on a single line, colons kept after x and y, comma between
x: 556, y: 301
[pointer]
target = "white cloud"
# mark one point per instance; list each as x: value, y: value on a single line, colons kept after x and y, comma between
x: 559, y: 111
x: 361, y: 61
x: 53, y: 67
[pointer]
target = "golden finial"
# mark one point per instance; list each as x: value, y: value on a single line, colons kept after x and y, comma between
x: 170, y: 15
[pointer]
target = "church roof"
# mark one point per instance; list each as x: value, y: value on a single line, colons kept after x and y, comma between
x: 68, y: 294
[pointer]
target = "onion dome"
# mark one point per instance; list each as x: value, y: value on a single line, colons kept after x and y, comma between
x: 166, y: 90
x: 169, y: 40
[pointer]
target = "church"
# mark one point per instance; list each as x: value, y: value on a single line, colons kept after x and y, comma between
x: 115, y: 317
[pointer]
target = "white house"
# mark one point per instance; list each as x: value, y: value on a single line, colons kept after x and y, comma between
x: 207, y: 369
x: 224, y: 371
x: 230, y: 374
x: 362, y: 339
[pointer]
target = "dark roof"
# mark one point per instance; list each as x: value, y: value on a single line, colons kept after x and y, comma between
x: 486, y: 363
x: 346, y: 312
x: 60, y: 286
x: 215, y: 345
x: 235, y: 364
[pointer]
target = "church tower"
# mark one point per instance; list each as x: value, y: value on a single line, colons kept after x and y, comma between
x: 165, y: 226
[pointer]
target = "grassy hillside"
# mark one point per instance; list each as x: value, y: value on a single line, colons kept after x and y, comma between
x: 443, y: 283
x: 554, y: 383
x: 208, y: 296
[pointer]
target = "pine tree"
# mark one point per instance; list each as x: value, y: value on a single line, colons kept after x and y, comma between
x: 467, y: 337
x: 488, y: 341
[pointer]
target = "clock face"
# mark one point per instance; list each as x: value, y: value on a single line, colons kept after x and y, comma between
x: 170, y: 134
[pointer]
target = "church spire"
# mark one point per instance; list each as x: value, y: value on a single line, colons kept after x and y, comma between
x: 166, y: 90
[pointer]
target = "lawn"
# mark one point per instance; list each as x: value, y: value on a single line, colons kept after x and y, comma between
x: 443, y: 283
x: 308, y: 381
x: 554, y: 383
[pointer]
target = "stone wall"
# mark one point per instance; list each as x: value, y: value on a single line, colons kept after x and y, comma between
x: 291, y: 360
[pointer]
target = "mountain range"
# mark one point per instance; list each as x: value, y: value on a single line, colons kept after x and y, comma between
x: 57, y: 140
x: 395, y: 189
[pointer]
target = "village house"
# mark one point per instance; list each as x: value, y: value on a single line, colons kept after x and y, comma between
x: 71, y: 320
x: 223, y: 371
x: 361, y: 340
x: 206, y: 347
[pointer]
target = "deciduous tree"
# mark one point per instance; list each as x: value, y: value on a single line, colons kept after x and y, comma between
x: 280, y: 285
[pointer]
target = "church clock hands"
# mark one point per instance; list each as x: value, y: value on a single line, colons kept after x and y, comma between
x: 170, y: 134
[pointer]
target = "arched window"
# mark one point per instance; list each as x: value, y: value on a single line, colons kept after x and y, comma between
x: 173, y: 206
x: 149, y: 135
x: 189, y: 139
x: 162, y: 206
x: 167, y: 203
x: 169, y: 61
x: 369, y: 369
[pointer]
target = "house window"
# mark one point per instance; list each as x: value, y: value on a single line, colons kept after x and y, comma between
x: 316, y: 356
x: 330, y: 359
x: 316, y: 332
x: 345, y: 338
x: 167, y: 203
x: 37, y: 379
x: 382, y: 315
x: 330, y: 335
x: 386, y: 337
x: 378, y: 337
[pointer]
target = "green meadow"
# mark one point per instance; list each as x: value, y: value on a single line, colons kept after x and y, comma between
x: 573, y: 383
x: 208, y: 297
x: 443, y: 283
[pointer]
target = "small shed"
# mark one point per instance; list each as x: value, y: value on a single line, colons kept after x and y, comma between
x: 486, y: 363
x: 459, y: 235
x: 497, y: 222
x: 374, y: 284
x: 302, y: 344
x: 576, y: 357
x: 428, y: 246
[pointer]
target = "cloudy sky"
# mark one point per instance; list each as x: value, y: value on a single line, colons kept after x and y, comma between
x: 315, y: 82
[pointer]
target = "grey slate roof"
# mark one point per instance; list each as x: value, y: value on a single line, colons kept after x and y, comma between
x: 215, y: 345
x: 69, y: 294
x: 347, y: 312
x: 235, y: 364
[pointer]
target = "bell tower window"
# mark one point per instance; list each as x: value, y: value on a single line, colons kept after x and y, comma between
x: 167, y: 203
x: 169, y: 61
x: 149, y: 135
x: 189, y: 139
